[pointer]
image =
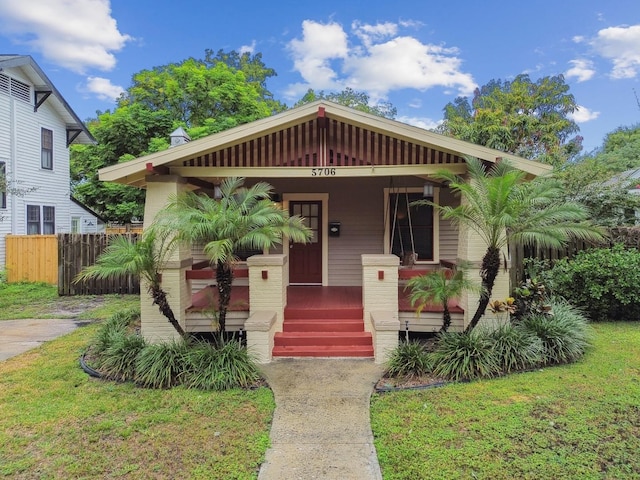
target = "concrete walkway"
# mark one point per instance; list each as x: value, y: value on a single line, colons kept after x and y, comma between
x: 18, y: 336
x: 321, y: 427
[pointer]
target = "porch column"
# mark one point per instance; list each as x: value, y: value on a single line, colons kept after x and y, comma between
x: 268, y: 282
x: 472, y: 248
x: 380, y: 302
x: 154, y: 326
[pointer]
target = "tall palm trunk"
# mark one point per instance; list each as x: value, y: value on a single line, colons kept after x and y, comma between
x: 160, y: 298
x: 224, y: 279
x: 446, y: 317
x: 488, y: 274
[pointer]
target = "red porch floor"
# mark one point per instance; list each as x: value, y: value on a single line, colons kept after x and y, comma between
x: 310, y: 298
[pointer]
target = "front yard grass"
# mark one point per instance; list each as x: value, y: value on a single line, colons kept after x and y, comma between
x: 573, y: 421
x: 57, y: 423
x: 40, y: 300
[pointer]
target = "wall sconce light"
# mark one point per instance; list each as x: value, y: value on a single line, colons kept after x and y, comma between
x: 217, y: 192
x: 427, y: 190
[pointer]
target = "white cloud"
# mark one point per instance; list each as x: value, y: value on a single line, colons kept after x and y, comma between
x: 103, y: 88
x: 248, y: 48
x: 312, y: 56
x: 75, y: 34
x: 375, y: 59
x: 583, y: 114
x: 582, y: 70
x: 621, y: 45
x: 422, y: 122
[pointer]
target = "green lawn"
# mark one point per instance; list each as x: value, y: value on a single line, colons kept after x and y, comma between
x: 57, y: 423
x: 579, y: 421
x: 40, y: 300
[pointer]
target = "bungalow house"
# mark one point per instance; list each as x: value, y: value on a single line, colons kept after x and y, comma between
x: 37, y: 126
x: 352, y: 175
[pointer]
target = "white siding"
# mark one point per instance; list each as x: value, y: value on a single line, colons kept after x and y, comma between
x: 20, y: 133
x: 89, y: 223
x: 448, y: 231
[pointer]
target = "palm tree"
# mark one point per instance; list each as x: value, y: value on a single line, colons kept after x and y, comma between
x: 145, y: 258
x: 501, y: 208
x: 244, y: 218
x: 440, y: 286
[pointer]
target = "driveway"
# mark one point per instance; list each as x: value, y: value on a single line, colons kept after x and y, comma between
x: 18, y: 336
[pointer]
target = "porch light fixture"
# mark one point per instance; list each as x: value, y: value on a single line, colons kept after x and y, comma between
x: 217, y: 192
x: 427, y: 190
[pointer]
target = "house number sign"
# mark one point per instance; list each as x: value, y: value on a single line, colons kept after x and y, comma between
x: 323, y: 172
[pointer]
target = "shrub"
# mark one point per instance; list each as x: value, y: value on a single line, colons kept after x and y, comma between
x: 227, y: 365
x: 159, y: 365
x: 118, y: 360
x: 602, y: 282
x: 117, y: 323
x: 408, y: 359
x: 516, y: 348
x: 565, y: 334
x: 465, y: 356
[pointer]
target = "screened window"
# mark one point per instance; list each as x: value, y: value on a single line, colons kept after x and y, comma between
x: 411, y: 228
x: 33, y: 220
x: 47, y: 148
x: 41, y: 220
x: 75, y: 224
x: 3, y: 185
x: 48, y: 220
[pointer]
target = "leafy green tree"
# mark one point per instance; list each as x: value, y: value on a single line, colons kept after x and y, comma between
x: 353, y: 99
x: 122, y: 135
x: 522, y: 117
x: 440, y: 286
x: 145, y: 258
x: 254, y: 69
x: 501, y: 207
x: 594, y: 181
x: 192, y: 92
x: 244, y: 218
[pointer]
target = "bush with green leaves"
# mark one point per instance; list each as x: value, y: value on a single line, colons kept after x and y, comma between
x: 121, y: 354
x: 408, y: 359
x: 465, y: 356
x: 602, y: 282
x: 220, y: 367
x: 565, y: 333
x: 517, y: 349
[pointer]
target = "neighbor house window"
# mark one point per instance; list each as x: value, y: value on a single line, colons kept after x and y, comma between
x: 47, y: 148
x: 48, y: 220
x: 41, y: 220
x: 411, y: 230
x: 33, y: 220
x: 75, y: 224
x: 3, y: 185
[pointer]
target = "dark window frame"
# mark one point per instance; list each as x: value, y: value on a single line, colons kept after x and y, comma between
x: 46, y: 143
x: 3, y: 192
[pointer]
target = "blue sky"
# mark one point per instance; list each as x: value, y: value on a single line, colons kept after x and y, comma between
x: 418, y: 55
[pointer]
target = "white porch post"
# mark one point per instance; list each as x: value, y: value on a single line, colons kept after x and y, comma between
x: 154, y: 326
x: 380, y: 302
x: 268, y: 282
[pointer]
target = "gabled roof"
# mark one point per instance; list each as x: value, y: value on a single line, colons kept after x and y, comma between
x: 133, y: 172
x: 43, y: 86
x: 87, y: 209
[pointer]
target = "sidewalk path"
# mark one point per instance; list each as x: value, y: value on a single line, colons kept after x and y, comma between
x: 321, y: 427
x: 18, y: 336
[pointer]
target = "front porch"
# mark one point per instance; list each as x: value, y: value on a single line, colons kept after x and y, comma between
x: 330, y: 300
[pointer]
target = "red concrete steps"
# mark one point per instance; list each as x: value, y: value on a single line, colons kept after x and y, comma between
x: 327, y: 332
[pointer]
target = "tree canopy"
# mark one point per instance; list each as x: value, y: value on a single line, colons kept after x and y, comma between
x: 204, y: 96
x: 351, y: 98
x: 523, y: 117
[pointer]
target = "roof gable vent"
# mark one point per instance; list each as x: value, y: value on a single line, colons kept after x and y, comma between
x: 179, y: 137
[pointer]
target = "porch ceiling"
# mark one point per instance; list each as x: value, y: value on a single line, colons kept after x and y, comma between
x: 318, y: 139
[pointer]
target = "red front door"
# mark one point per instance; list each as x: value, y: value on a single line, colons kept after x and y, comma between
x: 305, y: 260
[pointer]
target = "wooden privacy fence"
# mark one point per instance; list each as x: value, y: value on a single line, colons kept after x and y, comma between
x: 32, y: 258
x: 77, y: 251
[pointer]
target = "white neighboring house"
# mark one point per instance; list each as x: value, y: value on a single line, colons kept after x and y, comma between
x: 85, y: 220
x: 37, y: 126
